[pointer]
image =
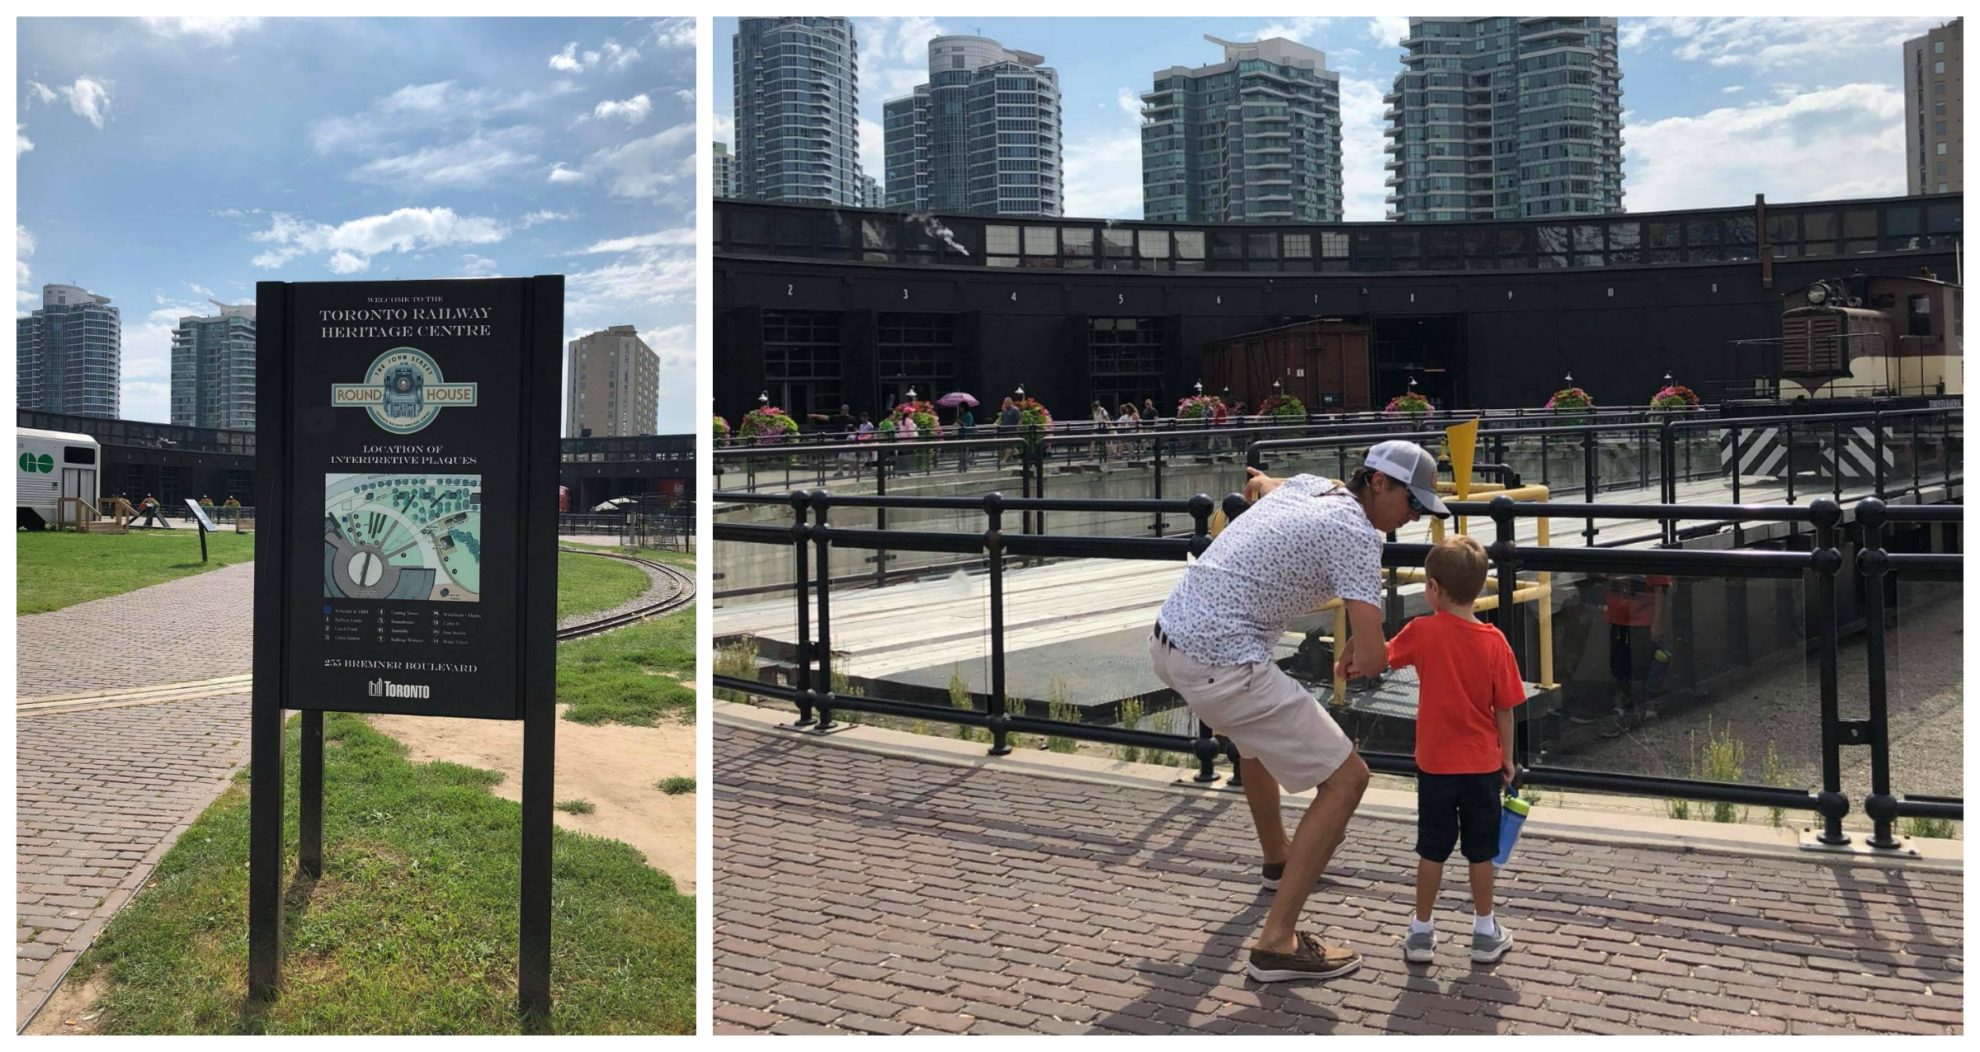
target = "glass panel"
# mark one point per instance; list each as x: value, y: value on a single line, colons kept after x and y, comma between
x: 1298, y: 246
x: 1077, y: 240
x: 1587, y: 237
x: 999, y: 240
x: 1262, y: 246
x: 1819, y: 226
x: 877, y: 233
x: 1626, y: 235
x: 1226, y: 244
x: 1154, y: 244
x: 1664, y: 233
x: 1942, y: 217
x: 1588, y: 259
x: 1041, y: 241
x: 1552, y: 238
x: 1901, y: 220
x: 1515, y: 239
x: 1860, y: 222
x: 1189, y: 244
x: 1119, y: 241
x: 1922, y: 656
x: 1783, y: 226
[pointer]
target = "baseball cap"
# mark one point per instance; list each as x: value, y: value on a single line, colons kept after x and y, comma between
x: 1413, y: 466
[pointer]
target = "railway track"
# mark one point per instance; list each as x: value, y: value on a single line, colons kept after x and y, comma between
x: 678, y: 592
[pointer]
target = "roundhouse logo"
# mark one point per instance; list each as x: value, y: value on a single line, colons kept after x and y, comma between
x: 43, y: 464
x: 403, y: 391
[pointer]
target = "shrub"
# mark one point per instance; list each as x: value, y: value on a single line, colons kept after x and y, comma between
x: 1196, y: 407
x: 737, y: 660
x: 1408, y: 403
x: 1676, y: 396
x: 959, y: 699
x: 721, y: 430
x: 675, y: 786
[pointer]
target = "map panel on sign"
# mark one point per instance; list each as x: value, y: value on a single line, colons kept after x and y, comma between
x: 402, y: 537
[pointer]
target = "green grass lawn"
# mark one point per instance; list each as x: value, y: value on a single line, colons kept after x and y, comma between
x: 623, y: 675
x: 56, y: 569
x: 587, y: 584
x: 412, y: 928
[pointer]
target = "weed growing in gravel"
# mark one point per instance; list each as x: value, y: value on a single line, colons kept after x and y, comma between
x: 1129, y: 713
x: 737, y: 660
x: 1060, y: 709
x: 577, y: 807
x: 675, y: 786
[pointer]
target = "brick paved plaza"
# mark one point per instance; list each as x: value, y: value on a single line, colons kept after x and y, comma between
x: 862, y: 892
x: 105, y: 789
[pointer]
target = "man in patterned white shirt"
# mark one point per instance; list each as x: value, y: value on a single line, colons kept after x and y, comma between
x: 1303, y: 542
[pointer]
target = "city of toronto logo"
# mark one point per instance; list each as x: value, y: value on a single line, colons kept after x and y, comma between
x: 403, y: 391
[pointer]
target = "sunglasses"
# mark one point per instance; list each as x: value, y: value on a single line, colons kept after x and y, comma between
x: 1415, y: 506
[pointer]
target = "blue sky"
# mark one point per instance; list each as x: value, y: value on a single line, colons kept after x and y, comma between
x: 163, y: 162
x: 1715, y: 110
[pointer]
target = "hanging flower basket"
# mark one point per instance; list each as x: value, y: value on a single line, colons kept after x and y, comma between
x: 768, y: 424
x: 1197, y: 407
x: 1569, y: 399
x: 721, y: 430
x: 1676, y: 396
x: 1408, y: 404
x: 1284, y: 407
x: 1034, y: 420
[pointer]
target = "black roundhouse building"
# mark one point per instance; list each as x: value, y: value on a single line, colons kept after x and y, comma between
x: 821, y: 306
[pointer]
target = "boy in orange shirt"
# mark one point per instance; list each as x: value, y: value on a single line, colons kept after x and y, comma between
x: 1464, y: 740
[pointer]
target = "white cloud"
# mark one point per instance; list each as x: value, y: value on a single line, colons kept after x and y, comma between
x: 725, y: 129
x: 220, y: 30
x: 89, y: 98
x: 566, y: 60
x: 1304, y: 30
x: 632, y: 111
x: 1845, y: 141
x: 545, y: 216
x: 1387, y: 30
x: 638, y: 168
x: 475, y: 161
x: 26, y: 297
x: 473, y: 266
x: 1363, y: 134
x: 198, y: 288
x: 1771, y: 42
x: 872, y: 148
x: 22, y: 143
x: 686, y: 95
x: 350, y: 245
x: 673, y: 33
x: 677, y: 236
x: 1103, y: 169
x: 619, y: 57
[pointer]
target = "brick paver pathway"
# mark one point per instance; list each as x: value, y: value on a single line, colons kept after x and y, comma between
x: 861, y: 892
x: 104, y: 792
x: 193, y: 628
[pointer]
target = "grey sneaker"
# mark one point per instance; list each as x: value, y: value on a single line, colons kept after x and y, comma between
x: 1420, y: 947
x: 1486, y: 949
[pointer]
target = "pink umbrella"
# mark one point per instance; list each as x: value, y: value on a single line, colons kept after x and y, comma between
x: 956, y: 398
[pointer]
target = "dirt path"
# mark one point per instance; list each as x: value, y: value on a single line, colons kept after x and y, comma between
x: 614, y: 767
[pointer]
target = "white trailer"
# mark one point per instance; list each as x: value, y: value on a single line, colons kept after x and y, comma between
x: 49, y: 465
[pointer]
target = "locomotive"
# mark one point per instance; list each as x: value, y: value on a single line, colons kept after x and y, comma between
x: 1872, y: 337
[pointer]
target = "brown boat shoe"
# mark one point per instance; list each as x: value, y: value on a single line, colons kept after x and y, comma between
x: 1310, y: 959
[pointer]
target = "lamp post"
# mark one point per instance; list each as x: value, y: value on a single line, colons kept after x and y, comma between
x: 763, y: 399
x: 1199, y: 388
x: 1019, y: 392
x: 910, y: 394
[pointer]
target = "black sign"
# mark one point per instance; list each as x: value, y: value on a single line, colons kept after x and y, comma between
x: 199, y: 516
x: 417, y: 433
x: 406, y: 559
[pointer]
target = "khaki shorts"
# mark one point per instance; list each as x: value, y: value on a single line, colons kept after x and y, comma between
x: 1263, y: 711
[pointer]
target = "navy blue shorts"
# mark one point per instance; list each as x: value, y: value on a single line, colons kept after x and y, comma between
x: 1453, y: 809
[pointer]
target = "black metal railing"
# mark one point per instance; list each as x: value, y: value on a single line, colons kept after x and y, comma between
x: 813, y: 538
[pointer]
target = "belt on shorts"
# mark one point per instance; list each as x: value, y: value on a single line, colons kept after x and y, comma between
x: 1162, y: 637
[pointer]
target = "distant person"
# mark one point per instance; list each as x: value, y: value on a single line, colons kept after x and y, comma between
x: 1302, y: 542
x: 1469, y: 686
x: 231, y: 508
x: 149, y: 509
x: 966, y: 427
x: 1639, y: 624
x: 1008, y: 418
x: 1149, y: 414
x: 843, y: 422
